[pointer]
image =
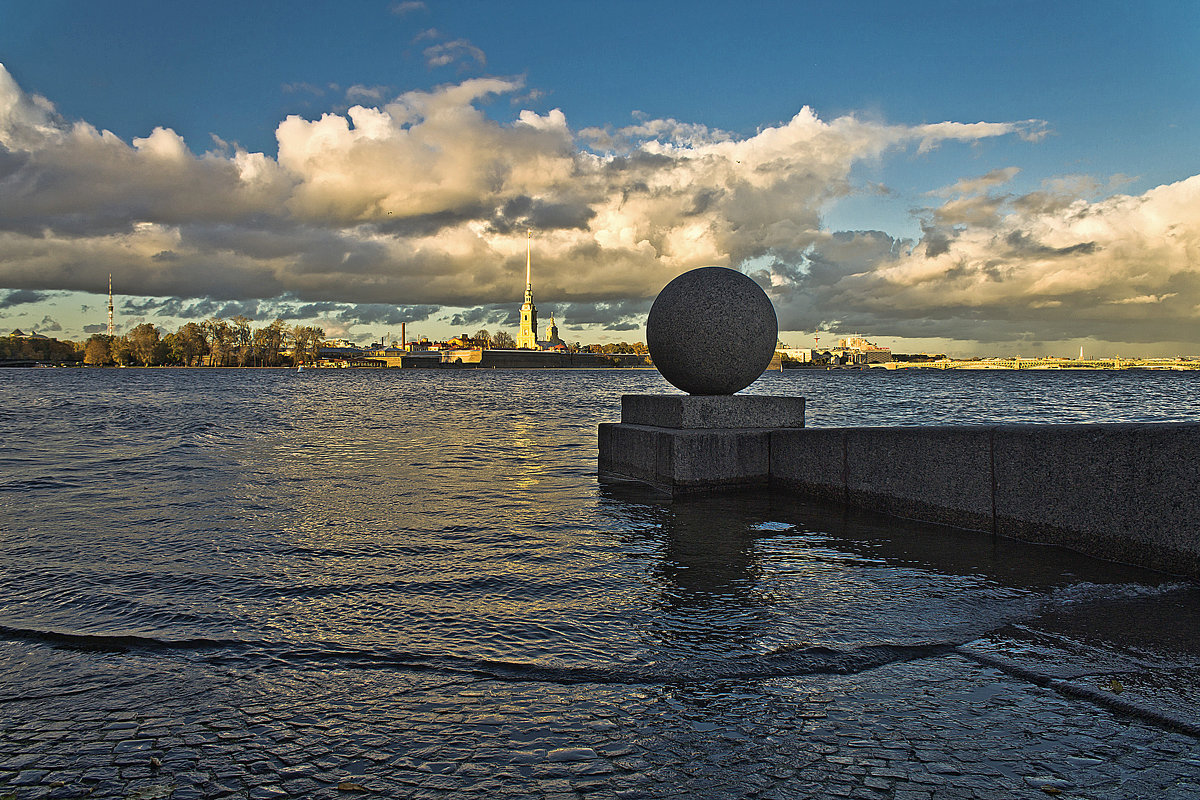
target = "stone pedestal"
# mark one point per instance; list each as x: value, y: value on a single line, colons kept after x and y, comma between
x: 683, y: 444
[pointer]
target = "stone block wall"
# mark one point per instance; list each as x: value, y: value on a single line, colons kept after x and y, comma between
x: 1126, y: 492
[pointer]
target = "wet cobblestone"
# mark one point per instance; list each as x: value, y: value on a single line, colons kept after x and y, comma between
x: 902, y: 731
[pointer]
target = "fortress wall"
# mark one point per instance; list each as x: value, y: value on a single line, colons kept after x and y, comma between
x: 521, y: 359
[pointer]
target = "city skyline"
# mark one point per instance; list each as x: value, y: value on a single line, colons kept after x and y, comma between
x: 1017, y: 179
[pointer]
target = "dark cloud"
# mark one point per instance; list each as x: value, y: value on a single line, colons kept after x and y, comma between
x: 620, y: 316
x: 507, y: 315
x: 362, y: 313
x: 192, y: 309
x: 936, y: 240
x: 522, y: 212
x: 1023, y: 245
x: 21, y: 297
x: 432, y: 223
x: 377, y: 313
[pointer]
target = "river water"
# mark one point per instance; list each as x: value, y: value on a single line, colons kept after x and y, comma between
x: 411, y: 525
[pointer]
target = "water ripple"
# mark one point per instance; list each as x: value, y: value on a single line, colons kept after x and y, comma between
x: 453, y: 521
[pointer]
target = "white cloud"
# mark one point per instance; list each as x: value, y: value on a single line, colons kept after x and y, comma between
x: 407, y: 7
x: 358, y: 92
x: 457, y: 51
x: 933, y: 135
x: 1124, y: 268
x: 424, y: 200
x: 25, y: 120
x: 301, y: 87
x: 973, y: 186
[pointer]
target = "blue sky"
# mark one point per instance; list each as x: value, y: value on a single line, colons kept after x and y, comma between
x: 1034, y: 234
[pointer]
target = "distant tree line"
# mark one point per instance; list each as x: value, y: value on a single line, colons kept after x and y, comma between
x: 226, y: 343
x: 918, y: 358
x: 20, y: 347
x: 500, y: 340
x: 637, y: 348
x: 212, y: 343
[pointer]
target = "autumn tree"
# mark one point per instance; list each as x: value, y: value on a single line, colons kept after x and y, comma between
x: 503, y: 340
x: 241, y: 337
x: 122, y: 351
x: 188, y: 345
x: 267, y: 343
x: 220, y: 341
x: 306, y: 341
x: 143, y: 344
x: 97, y: 351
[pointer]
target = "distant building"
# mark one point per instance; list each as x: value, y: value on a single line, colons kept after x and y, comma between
x: 857, y: 350
x: 804, y: 355
x: 552, y: 342
x: 521, y: 359
x: 527, y: 336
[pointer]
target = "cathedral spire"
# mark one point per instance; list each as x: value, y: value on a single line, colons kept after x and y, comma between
x: 527, y: 336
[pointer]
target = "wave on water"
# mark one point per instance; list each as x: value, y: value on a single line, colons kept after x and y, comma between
x: 784, y: 662
x: 789, y: 661
x: 1086, y: 593
x: 38, y: 484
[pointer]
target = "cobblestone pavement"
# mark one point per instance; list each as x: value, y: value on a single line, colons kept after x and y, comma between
x: 128, y: 726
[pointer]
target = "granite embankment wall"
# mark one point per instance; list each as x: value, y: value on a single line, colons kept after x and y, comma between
x: 1126, y: 492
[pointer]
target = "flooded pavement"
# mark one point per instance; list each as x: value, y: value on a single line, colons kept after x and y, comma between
x: 943, y: 726
x: 1089, y: 692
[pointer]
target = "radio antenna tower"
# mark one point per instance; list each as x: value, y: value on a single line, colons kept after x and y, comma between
x: 112, y: 329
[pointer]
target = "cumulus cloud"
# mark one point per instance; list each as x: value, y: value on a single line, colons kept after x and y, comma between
x: 1004, y: 267
x: 393, y: 210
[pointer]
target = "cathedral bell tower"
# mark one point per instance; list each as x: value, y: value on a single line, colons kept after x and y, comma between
x: 527, y: 337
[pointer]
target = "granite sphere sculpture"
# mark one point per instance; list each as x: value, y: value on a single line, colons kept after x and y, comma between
x: 712, y: 331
